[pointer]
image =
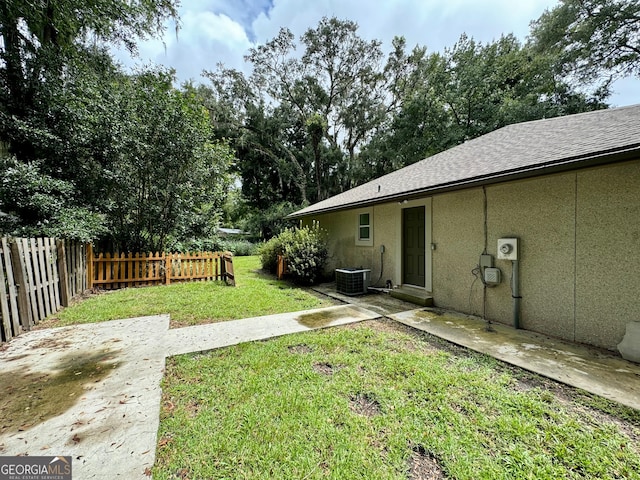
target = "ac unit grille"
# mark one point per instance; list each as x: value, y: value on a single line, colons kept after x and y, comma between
x: 352, y: 281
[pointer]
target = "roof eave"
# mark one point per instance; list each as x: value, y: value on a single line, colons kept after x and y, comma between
x: 592, y: 160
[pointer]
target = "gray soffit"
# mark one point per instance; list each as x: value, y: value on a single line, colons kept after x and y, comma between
x: 516, y: 151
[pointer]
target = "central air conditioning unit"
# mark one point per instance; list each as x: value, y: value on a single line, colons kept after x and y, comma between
x: 352, y: 281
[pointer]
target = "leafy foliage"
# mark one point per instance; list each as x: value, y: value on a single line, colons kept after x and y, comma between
x: 306, y: 253
x: 327, y: 112
x: 304, y: 248
x: 446, y: 104
x: 239, y: 248
x: 592, y: 38
x: 270, y: 250
x: 168, y: 180
x: 300, y: 120
x: 45, y: 202
x: 141, y: 165
x: 96, y: 153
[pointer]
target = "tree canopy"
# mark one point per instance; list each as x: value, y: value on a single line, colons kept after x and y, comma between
x: 595, y: 40
x: 89, y: 151
x: 327, y: 112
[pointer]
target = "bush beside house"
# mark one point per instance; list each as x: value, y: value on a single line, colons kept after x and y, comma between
x: 305, y: 250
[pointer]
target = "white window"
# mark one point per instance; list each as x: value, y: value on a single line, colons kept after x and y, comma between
x: 364, y: 229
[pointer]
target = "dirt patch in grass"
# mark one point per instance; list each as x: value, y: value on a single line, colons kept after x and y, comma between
x: 423, y: 465
x: 364, y: 404
x: 302, y: 348
x: 193, y: 408
x: 325, y: 368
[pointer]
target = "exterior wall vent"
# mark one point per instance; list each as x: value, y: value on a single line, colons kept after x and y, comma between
x: 352, y: 281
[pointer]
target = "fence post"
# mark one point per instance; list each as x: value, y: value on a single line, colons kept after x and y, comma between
x: 89, y: 266
x: 24, y: 309
x: 227, y: 265
x: 13, y: 290
x: 167, y: 268
x: 62, y: 273
x: 281, y: 268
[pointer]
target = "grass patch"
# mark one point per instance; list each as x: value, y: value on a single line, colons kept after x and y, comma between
x: 380, y: 401
x: 196, y: 302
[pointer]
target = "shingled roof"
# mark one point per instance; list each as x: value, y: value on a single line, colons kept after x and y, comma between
x: 516, y: 151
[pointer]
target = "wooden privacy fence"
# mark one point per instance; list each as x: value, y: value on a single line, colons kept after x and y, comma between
x: 40, y: 275
x: 113, y: 271
x: 37, y: 277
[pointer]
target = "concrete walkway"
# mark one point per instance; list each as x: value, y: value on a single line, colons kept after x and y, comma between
x: 111, y: 429
x: 589, y: 369
x: 215, y: 335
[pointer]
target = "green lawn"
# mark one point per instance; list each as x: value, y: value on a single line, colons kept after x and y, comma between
x: 372, y: 401
x: 378, y: 401
x: 196, y: 302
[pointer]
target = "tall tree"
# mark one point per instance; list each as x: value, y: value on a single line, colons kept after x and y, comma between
x: 469, y: 90
x: 51, y: 113
x: 167, y: 180
x: 37, y: 39
x: 336, y: 85
x: 596, y: 40
x: 93, y: 149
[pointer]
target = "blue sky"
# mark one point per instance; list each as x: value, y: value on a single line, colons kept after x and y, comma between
x: 222, y: 31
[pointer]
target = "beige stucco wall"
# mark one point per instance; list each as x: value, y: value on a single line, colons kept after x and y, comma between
x: 386, y: 218
x: 459, y: 240
x: 607, y: 252
x: 540, y: 213
x: 579, y: 236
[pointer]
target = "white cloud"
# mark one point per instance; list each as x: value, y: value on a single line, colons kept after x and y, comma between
x: 436, y: 24
x: 216, y: 31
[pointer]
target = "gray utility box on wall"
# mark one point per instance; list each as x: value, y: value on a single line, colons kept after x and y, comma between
x: 352, y: 281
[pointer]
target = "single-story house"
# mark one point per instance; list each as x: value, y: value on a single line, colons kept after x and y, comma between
x: 567, y: 189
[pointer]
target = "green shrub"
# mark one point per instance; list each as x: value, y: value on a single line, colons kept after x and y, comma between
x: 306, y: 253
x: 213, y: 244
x: 270, y: 250
x: 240, y: 248
x: 305, y: 250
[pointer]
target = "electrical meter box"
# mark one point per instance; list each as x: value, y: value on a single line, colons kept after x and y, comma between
x: 507, y: 249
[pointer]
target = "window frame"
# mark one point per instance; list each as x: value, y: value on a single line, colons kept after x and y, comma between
x: 362, y: 241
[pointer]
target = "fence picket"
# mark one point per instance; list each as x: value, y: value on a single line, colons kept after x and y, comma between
x: 63, y: 278
x: 12, y: 290
x: 7, y: 330
x: 51, y: 257
x: 41, y: 267
x: 25, y: 300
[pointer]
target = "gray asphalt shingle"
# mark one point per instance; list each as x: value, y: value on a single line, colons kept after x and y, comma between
x: 528, y: 148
